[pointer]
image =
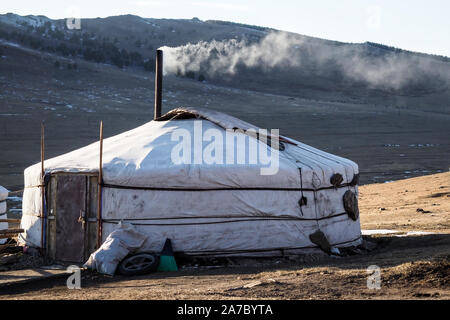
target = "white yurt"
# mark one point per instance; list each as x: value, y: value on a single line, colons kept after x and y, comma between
x: 193, y: 176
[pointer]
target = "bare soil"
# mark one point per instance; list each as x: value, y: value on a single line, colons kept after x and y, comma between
x: 413, y: 266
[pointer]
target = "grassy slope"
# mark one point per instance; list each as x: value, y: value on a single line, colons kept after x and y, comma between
x: 384, y: 140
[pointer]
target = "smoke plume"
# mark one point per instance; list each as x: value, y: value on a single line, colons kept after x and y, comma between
x: 276, y: 48
x: 370, y: 64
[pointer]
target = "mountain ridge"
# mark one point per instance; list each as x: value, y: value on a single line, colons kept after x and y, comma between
x: 36, y: 19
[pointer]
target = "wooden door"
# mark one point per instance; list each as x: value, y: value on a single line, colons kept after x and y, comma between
x: 70, y: 204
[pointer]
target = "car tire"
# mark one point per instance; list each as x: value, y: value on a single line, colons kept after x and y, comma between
x: 137, y: 264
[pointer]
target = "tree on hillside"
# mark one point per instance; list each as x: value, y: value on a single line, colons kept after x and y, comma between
x: 149, y: 65
x: 74, y: 38
x: 63, y: 49
x: 190, y: 74
x: 96, y: 55
x: 125, y: 57
x: 136, y: 58
x: 117, y: 59
x: 72, y: 66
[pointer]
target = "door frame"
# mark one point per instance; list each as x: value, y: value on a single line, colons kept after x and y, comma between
x: 89, y: 219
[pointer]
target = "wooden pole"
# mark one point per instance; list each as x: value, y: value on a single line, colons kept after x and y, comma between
x: 99, y: 194
x: 158, y: 83
x: 10, y: 220
x: 7, y: 231
x: 42, y: 187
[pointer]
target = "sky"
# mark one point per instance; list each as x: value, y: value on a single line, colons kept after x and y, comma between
x: 415, y: 25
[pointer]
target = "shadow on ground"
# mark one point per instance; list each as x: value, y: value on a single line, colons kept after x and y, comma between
x: 390, y: 251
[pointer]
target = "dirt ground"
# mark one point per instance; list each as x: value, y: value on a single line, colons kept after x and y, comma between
x: 412, y: 266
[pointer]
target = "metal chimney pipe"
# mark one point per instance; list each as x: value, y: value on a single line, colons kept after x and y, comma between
x: 158, y: 83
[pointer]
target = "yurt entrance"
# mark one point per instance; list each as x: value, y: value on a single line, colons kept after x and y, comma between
x: 72, y: 216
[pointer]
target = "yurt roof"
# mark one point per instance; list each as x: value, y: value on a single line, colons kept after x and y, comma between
x: 141, y: 158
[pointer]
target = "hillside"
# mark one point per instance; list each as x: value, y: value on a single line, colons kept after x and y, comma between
x: 285, y: 63
x: 391, y: 133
